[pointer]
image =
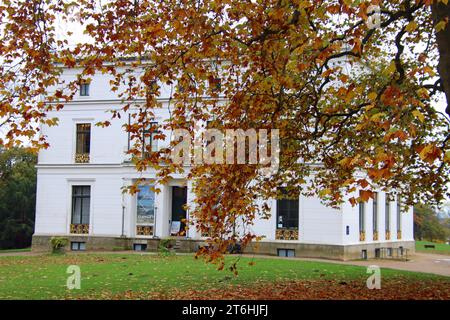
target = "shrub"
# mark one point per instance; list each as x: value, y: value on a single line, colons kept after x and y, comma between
x: 164, y: 247
x: 58, y: 244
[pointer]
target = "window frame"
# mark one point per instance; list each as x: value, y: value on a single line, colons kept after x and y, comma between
x: 151, y: 139
x: 288, y: 253
x: 387, y: 213
x: 83, y: 138
x: 290, y: 210
x: 84, y: 89
x: 362, y: 216
x: 361, y: 219
x: 399, y: 215
x: 82, y: 197
x: 375, y: 212
x: 77, y: 246
x: 142, y: 247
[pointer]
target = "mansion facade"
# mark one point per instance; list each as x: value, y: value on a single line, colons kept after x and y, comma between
x: 82, y: 174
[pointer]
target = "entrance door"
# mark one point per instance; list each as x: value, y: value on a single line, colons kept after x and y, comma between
x: 179, y: 199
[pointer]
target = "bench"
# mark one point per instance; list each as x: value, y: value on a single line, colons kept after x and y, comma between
x: 429, y: 246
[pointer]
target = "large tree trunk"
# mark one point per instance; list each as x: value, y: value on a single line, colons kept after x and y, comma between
x: 440, y: 12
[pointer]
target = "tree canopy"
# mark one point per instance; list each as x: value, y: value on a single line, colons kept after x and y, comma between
x: 349, y: 84
x: 427, y: 225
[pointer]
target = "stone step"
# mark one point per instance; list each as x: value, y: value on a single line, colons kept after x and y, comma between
x: 177, y: 245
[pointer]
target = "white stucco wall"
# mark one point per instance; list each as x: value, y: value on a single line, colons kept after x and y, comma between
x: 351, y: 219
x: 107, y: 173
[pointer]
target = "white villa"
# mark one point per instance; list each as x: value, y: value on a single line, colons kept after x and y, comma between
x: 79, y: 196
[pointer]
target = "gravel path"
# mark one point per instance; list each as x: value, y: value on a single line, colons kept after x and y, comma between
x: 419, y: 262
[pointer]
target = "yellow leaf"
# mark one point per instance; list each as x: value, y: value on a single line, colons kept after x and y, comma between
x: 419, y: 115
x: 428, y: 70
x: 344, y: 162
x: 440, y: 25
x: 350, y: 95
x: 372, y: 96
x: 447, y: 157
x: 411, y: 26
x: 424, y: 153
x: 324, y: 192
x: 377, y: 116
x: 391, y: 69
x: 423, y: 93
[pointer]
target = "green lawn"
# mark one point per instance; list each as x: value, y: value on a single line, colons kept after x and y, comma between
x: 103, y: 275
x: 441, y: 248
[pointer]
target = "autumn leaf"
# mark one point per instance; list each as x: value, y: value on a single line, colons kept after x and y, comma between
x: 430, y: 153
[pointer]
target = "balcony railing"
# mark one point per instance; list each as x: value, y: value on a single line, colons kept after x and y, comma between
x: 399, y: 234
x: 286, y: 234
x: 362, y: 236
x: 144, y: 230
x: 79, y: 228
x: 82, y: 158
x: 375, y: 236
x: 388, y: 235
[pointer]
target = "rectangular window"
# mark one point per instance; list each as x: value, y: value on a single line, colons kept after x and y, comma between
x: 139, y: 247
x: 84, y: 89
x: 78, y: 246
x: 83, y: 143
x: 399, y: 218
x: 81, y: 203
x: 387, y: 211
x: 286, y: 253
x: 375, y: 216
x: 287, y: 216
x: 362, y: 228
x: 287, y: 213
x: 149, y: 143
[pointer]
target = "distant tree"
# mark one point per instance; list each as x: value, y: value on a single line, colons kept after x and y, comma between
x: 427, y: 226
x: 17, y: 197
x: 447, y: 223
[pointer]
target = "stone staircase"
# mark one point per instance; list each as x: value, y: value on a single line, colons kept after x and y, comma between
x: 177, y: 245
